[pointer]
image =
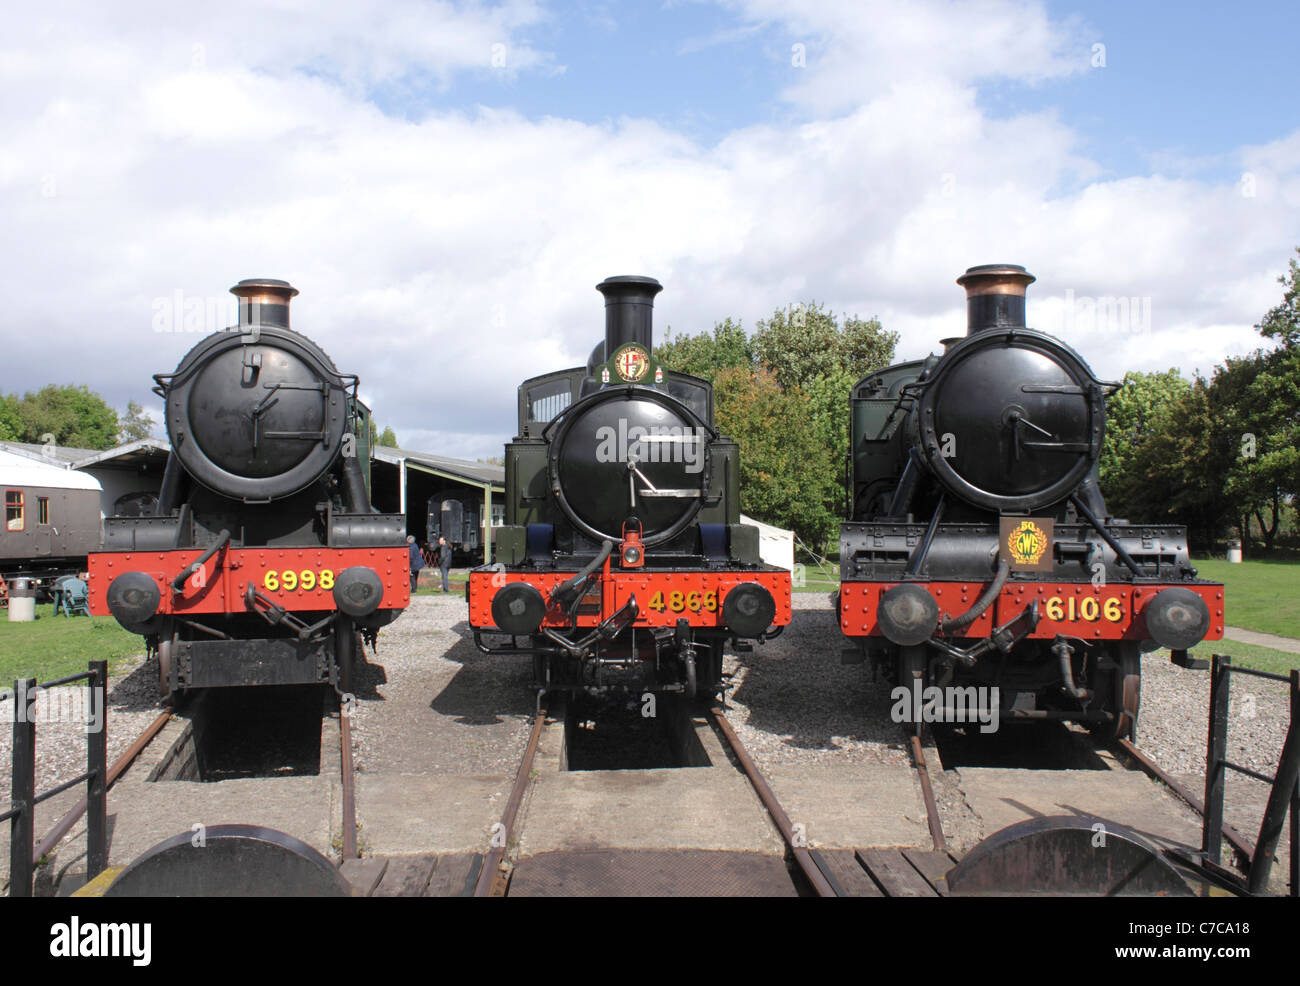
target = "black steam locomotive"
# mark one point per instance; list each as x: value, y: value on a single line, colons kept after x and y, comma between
x: 263, y: 561
x: 979, y: 550
x: 623, y: 562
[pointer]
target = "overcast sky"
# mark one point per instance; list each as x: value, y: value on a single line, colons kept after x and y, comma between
x: 446, y: 182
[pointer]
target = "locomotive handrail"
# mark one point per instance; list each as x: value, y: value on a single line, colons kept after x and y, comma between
x: 1106, y: 536
x: 981, y: 604
x: 564, y: 589
x: 223, y: 539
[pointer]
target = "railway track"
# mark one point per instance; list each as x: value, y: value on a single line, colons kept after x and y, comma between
x: 840, y: 873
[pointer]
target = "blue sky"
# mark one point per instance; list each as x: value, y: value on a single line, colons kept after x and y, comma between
x: 1179, y: 89
x: 445, y: 216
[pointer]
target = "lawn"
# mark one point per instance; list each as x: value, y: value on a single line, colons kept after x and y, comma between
x: 1263, y: 658
x: 54, y: 646
x: 1259, y: 595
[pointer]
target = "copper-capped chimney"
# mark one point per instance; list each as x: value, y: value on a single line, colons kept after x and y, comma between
x: 264, y: 301
x: 995, y: 297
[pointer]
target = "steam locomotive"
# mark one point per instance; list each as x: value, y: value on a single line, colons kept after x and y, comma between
x: 263, y: 561
x: 979, y: 550
x: 622, y: 563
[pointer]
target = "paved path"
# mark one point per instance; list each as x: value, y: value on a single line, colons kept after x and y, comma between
x: 1289, y: 644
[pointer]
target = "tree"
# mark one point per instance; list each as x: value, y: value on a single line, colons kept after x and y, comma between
x: 804, y: 342
x: 784, y: 391
x: 387, y: 438
x: 136, y: 424
x: 704, y: 355
x: 1283, y: 322
x: 11, y: 420
x: 783, y: 473
x: 1135, y: 414
x: 74, y: 416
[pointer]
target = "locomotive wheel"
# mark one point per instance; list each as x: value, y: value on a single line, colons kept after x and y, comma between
x: 1124, y: 698
x: 708, y: 671
x: 165, y: 652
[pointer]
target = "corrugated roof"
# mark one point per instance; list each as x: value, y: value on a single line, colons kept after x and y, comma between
x: 64, y: 455
x: 128, y: 454
x: 471, y: 472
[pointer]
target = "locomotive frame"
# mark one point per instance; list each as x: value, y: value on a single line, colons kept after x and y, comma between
x: 979, y: 549
x: 622, y: 563
x: 264, y: 562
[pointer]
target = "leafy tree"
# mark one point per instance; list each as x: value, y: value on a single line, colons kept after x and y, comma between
x: 1283, y: 322
x: 136, y: 424
x: 75, y: 416
x: 11, y: 420
x: 804, y: 342
x: 783, y: 474
x: 1264, y: 436
x: 387, y: 438
x: 704, y: 355
x: 1135, y: 414
x: 1187, y: 458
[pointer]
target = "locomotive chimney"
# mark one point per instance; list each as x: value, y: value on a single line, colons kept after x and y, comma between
x: 995, y: 297
x: 629, y: 311
x: 263, y: 301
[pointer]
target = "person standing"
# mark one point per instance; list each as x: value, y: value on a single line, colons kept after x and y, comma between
x: 444, y: 561
x: 417, y: 561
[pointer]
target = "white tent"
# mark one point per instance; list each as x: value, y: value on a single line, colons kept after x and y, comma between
x: 775, y: 546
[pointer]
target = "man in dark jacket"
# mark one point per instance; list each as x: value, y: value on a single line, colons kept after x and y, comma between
x: 417, y: 561
x: 444, y: 560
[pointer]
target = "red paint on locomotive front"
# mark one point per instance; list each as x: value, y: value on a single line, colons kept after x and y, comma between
x: 859, y: 602
x: 701, y: 596
x: 222, y: 584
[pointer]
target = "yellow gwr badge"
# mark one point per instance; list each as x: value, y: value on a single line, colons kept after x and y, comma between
x: 1027, y: 542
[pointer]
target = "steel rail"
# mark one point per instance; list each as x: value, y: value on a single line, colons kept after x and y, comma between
x: 809, y: 860
x: 1239, y: 843
x: 65, y: 824
x: 349, y: 784
x: 491, y: 880
x: 927, y: 794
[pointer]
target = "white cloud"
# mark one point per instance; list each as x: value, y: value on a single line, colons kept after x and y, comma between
x: 447, y: 257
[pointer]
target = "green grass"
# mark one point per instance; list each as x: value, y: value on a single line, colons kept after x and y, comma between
x: 54, y: 646
x: 818, y: 577
x: 1263, y: 658
x: 1258, y: 595
x: 433, y: 587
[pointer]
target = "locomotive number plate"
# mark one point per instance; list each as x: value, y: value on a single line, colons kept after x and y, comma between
x: 304, y: 580
x: 681, y: 602
x: 1084, y: 609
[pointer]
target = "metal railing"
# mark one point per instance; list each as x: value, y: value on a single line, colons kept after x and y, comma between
x: 23, y: 795
x: 1284, y: 791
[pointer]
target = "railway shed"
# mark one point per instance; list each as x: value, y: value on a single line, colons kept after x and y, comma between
x: 404, y: 480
